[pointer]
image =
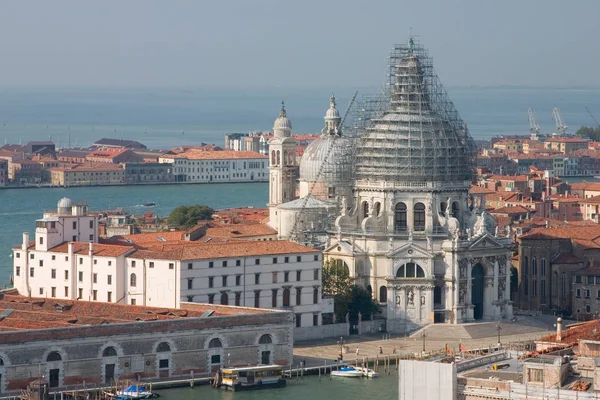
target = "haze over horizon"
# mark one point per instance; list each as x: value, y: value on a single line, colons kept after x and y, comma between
x: 269, y: 43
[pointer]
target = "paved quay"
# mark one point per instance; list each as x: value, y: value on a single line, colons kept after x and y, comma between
x: 471, y: 336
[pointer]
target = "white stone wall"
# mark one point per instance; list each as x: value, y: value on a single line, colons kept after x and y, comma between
x: 221, y: 170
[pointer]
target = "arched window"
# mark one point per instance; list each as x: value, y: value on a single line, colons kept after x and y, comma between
x: 383, y: 294
x: 278, y: 157
x: 443, y: 207
x: 224, y: 299
x: 400, y: 217
x: 377, y: 209
x: 1, y: 361
x: 455, y: 209
x: 265, y: 339
x: 525, y: 265
x: 109, y: 352
x: 533, y: 266
x: 132, y: 280
x: 286, y: 297
x: 410, y: 270
x: 163, y: 347
x: 525, y: 275
x: 365, y: 209
x: 215, y: 344
x: 419, y: 217
x: 54, y: 356
x: 273, y: 157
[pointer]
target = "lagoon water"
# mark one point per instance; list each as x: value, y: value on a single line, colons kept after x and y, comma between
x: 165, y: 118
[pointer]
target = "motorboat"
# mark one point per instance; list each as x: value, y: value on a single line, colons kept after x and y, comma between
x: 149, y: 204
x: 348, y: 372
x: 134, y: 392
x: 367, y: 372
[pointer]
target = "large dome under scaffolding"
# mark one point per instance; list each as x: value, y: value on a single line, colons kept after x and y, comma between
x: 412, y: 133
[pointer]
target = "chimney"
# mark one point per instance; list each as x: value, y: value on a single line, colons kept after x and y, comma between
x: 70, y: 250
x: 559, y: 329
x: 91, y: 251
x: 25, y: 241
x: 547, y: 224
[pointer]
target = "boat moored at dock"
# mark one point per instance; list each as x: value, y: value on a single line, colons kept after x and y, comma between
x: 348, y: 372
x: 250, y: 378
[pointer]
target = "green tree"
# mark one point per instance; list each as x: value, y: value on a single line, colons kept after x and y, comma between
x: 336, y: 278
x: 361, y: 301
x: 587, y: 132
x: 188, y: 216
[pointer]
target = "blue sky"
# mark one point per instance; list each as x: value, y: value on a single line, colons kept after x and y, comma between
x: 302, y: 43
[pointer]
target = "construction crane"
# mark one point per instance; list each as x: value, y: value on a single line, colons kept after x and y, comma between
x: 561, y: 128
x: 534, y: 128
x: 592, y: 115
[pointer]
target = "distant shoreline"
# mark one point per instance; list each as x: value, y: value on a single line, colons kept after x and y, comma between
x: 124, y: 185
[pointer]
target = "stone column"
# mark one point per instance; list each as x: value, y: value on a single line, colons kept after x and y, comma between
x: 469, y: 283
x: 496, y: 277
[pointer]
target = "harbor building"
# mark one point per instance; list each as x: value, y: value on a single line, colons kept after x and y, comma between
x: 389, y: 201
x: 71, y: 342
x: 66, y: 262
x: 197, y: 166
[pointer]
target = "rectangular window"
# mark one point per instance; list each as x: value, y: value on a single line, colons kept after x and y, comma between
x: 109, y: 279
x: 298, y: 276
x: 238, y: 280
x: 66, y: 291
x: 316, y: 275
x: 224, y: 264
x: 298, y: 320
x: 316, y: 295
x: 80, y: 276
x: 31, y: 272
x: 256, y: 279
x: 286, y: 276
x: 298, y: 258
x: 274, y: 260
x: 18, y: 271
x: 577, y: 278
x: 257, y: 298
x: 94, y: 295
x: 74, y: 224
x: 238, y: 298
x: 91, y: 224
x: 109, y: 297
x: 211, y: 281
x: 41, y: 240
x: 215, y: 359
x: 32, y: 256
x: 151, y: 264
x: 171, y: 265
x: 109, y: 263
x: 41, y: 263
x: 286, y: 260
x: 190, y: 283
x: 211, y: 264
x: 80, y: 293
x: 211, y: 299
x: 238, y: 263
x: 95, y: 261
x: 590, y: 279
x: 80, y: 260
x: 53, y: 292
x: 587, y: 293
x: 18, y: 255
x: 133, y: 302
x: 274, y: 298
x: 274, y: 277
x: 257, y: 261
x: 315, y: 319
x: 316, y: 257
x: 578, y: 293
x: 74, y: 238
x: 225, y: 281
x: 298, y: 296
x: 535, y: 375
x: 132, y: 263
x: 95, y: 278
x: 91, y: 237
x: 66, y: 274
x: 53, y: 258
x: 190, y: 265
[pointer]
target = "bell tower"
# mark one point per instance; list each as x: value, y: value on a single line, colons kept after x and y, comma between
x: 282, y: 166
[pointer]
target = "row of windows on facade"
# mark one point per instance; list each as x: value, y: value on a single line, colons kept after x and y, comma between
x: 225, y: 164
x: 80, y: 294
x: 238, y: 279
x: 534, y: 269
x: 286, y: 298
x: 288, y: 157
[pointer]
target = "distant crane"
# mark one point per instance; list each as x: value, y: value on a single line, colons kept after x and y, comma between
x: 561, y: 128
x: 534, y: 128
x: 592, y: 115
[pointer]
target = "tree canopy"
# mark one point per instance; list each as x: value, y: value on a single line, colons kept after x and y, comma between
x: 588, y: 132
x: 188, y: 216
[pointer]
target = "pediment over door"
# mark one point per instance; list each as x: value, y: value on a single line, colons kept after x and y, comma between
x: 486, y: 242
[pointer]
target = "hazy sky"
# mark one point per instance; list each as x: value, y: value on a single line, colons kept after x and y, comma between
x: 300, y: 43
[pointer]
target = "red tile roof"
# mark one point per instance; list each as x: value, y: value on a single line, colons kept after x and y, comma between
x: 586, y: 331
x: 567, y: 259
x: 215, y: 155
x: 100, y: 250
x: 510, y: 210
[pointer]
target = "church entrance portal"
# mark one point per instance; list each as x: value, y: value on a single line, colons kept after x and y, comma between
x: 477, y: 291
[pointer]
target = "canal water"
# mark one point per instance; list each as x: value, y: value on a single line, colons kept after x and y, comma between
x: 383, y: 388
x: 19, y: 208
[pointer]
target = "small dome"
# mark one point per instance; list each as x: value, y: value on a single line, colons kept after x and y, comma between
x: 65, y: 202
x: 332, y: 112
x: 335, y: 153
x: 282, y: 127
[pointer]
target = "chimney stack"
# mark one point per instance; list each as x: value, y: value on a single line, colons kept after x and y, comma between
x: 91, y: 251
x: 70, y: 250
x: 25, y: 241
x: 559, y: 329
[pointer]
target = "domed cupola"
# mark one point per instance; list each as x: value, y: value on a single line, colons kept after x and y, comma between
x: 413, y: 135
x: 282, y: 127
x: 332, y: 119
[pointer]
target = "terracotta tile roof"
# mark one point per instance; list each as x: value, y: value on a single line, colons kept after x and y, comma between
x: 586, y: 331
x: 201, y: 250
x: 475, y: 189
x: 216, y: 155
x: 510, y: 210
x: 42, y: 313
x: 100, y: 250
x: 89, y: 167
x: 585, y: 234
x: 240, y: 231
x: 567, y: 259
x: 591, y: 200
x: 566, y: 140
x: 584, y: 185
x: 509, y: 178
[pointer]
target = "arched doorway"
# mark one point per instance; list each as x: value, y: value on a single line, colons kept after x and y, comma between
x: 477, y: 286
x: 110, y: 360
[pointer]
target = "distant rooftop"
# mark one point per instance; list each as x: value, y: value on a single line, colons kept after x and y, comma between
x: 130, y: 144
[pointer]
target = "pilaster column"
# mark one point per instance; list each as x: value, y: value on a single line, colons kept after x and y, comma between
x: 469, y: 283
x: 496, y: 278
x: 418, y: 305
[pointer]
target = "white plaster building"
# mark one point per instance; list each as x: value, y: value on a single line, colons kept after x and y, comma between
x: 196, y: 166
x: 262, y: 274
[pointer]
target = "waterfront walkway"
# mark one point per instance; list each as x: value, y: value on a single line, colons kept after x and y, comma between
x: 471, y: 336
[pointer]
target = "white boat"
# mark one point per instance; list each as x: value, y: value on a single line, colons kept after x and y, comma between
x: 348, y: 372
x: 367, y: 372
x: 134, y: 392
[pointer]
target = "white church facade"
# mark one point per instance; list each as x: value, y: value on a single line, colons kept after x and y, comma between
x: 391, y: 204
